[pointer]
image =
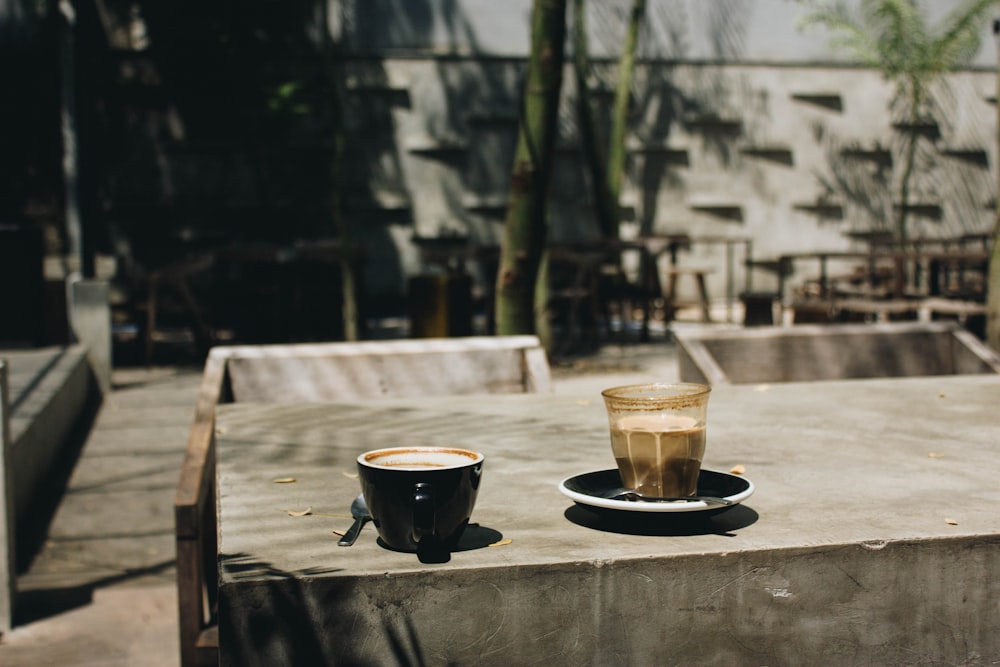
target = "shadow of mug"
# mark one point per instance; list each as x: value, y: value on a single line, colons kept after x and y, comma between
x: 420, y: 498
x: 473, y: 537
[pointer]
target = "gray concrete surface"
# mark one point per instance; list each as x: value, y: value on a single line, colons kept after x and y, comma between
x: 871, y: 538
x: 8, y: 565
x: 100, y: 589
x: 88, y: 305
x: 50, y: 389
x: 100, y: 592
x: 808, y: 353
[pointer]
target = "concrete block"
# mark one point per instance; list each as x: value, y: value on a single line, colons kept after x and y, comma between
x: 8, y: 570
x: 44, y: 410
x: 870, y: 538
x: 830, y: 352
x: 880, y: 603
x: 90, y: 321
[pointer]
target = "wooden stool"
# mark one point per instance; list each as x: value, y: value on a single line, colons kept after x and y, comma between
x: 670, y: 293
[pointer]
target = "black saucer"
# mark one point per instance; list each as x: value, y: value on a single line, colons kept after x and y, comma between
x: 593, y: 489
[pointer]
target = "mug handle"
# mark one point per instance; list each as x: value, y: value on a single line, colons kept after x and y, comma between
x: 423, y: 511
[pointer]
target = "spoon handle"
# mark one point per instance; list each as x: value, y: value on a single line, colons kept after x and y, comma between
x: 635, y: 497
x: 352, y: 533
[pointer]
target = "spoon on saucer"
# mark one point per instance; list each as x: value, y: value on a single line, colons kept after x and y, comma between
x: 359, y: 510
x: 635, y: 496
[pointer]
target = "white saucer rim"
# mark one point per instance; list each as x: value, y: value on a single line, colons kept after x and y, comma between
x: 653, y: 507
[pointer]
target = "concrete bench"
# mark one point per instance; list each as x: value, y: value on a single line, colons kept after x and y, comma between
x: 317, y: 373
x: 831, y: 352
x: 44, y: 395
x: 50, y: 390
x: 7, y: 548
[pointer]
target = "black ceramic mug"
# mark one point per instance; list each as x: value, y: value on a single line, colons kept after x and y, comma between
x: 420, y: 497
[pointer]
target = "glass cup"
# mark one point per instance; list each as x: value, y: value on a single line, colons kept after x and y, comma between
x: 658, y: 436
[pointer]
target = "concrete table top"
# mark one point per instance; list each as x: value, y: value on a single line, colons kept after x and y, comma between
x: 872, y: 534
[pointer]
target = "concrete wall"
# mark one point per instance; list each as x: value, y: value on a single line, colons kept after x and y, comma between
x: 745, y: 127
x: 690, y: 30
x: 795, y: 158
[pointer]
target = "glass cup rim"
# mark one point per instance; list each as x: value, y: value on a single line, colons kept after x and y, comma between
x: 472, y: 457
x: 655, y: 392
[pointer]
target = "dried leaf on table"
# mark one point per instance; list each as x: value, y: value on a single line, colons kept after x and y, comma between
x: 306, y: 512
x: 951, y: 522
x: 285, y: 480
x: 738, y: 469
x: 502, y: 543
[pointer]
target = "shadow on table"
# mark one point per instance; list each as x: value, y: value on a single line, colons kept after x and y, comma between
x: 474, y: 537
x: 304, y: 619
x: 244, y: 565
x: 719, y: 522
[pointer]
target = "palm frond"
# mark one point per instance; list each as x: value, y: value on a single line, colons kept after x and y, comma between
x: 959, y: 41
x: 846, y: 28
x: 900, y: 31
x: 893, y: 35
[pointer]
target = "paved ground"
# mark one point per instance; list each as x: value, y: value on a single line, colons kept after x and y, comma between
x: 100, y: 591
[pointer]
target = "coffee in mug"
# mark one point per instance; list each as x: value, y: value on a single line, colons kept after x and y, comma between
x: 658, y: 436
x: 420, y: 497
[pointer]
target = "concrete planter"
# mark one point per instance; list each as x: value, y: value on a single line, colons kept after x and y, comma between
x: 830, y: 352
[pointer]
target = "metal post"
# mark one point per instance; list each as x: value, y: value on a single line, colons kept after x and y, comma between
x: 992, y: 293
x: 8, y: 571
x: 68, y: 119
x: 730, y: 285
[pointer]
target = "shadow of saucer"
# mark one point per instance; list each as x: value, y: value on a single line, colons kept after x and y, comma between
x: 475, y: 536
x: 718, y: 522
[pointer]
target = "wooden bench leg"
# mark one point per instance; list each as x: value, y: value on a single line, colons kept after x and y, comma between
x: 670, y: 305
x: 670, y: 294
x: 151, y: 298
x: 706, y: 315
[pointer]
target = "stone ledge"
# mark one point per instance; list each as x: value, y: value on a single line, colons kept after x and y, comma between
x: 49, y: 390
